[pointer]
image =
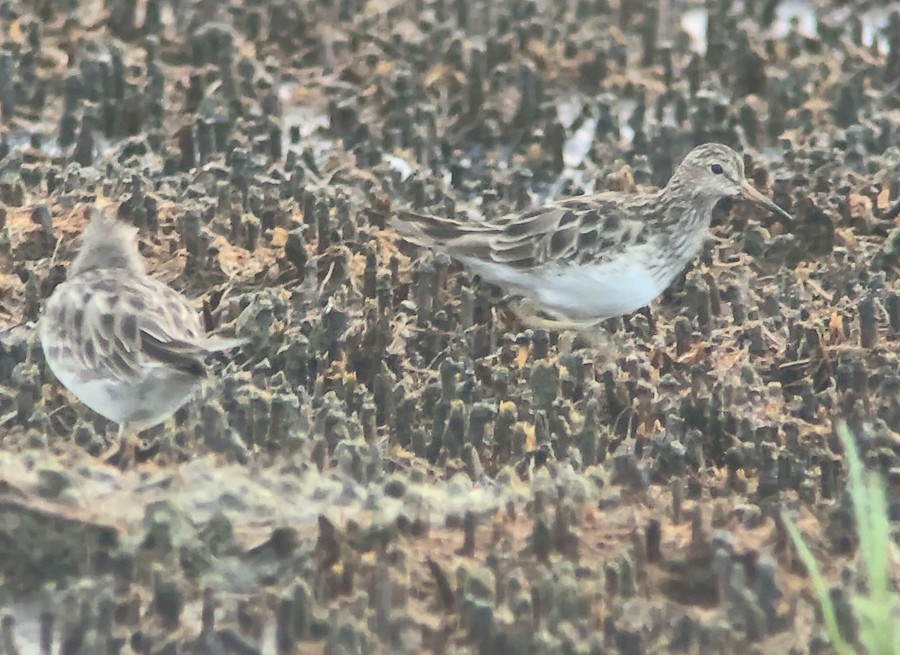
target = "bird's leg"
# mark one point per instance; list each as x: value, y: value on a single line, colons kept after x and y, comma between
x: 572, y: 333
x: 109, y: 455
x: 541, y: 319
x: 130, y: 441
x: 122, y: 453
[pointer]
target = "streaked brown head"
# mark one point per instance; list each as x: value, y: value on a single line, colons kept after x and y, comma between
x: 107, y: 243
x: 717, y: 171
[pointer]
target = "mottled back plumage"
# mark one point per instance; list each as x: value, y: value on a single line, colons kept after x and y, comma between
x: 583, y: 259
x: 130, y: 347
x: 573, y: 231
x: 112, y: 326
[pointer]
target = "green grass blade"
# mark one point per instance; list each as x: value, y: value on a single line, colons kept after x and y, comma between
x: 820, y: 587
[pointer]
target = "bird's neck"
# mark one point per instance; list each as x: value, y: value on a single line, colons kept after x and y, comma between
x: 686, y: 216
x: 685, y: 209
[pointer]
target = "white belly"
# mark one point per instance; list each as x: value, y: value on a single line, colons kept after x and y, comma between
x: 594, y: 292
x: 138, y: 405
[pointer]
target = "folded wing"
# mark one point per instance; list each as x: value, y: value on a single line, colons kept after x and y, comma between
x: 121, y: 328
x: 575, y: 230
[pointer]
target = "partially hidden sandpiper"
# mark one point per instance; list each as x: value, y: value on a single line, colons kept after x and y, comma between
x: 577, y: 261
x: 128, y: 346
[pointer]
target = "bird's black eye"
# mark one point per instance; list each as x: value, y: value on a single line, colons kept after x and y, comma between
x: 716, y: 169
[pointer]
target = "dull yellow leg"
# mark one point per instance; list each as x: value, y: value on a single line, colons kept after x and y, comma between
x: 123, y: 452
x: 533, y: 318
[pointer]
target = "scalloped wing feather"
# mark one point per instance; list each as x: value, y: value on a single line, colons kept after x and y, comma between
x: 447, y: 234
x: 584, y: 229
x: 118, y: 326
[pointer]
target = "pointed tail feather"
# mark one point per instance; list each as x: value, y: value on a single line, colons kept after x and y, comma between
x: 181, y: 355
x: 446, y: 234
x: 215, y: 343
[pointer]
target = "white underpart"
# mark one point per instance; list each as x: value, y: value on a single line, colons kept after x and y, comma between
x: 138, y: 405
x: 585, y: 291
